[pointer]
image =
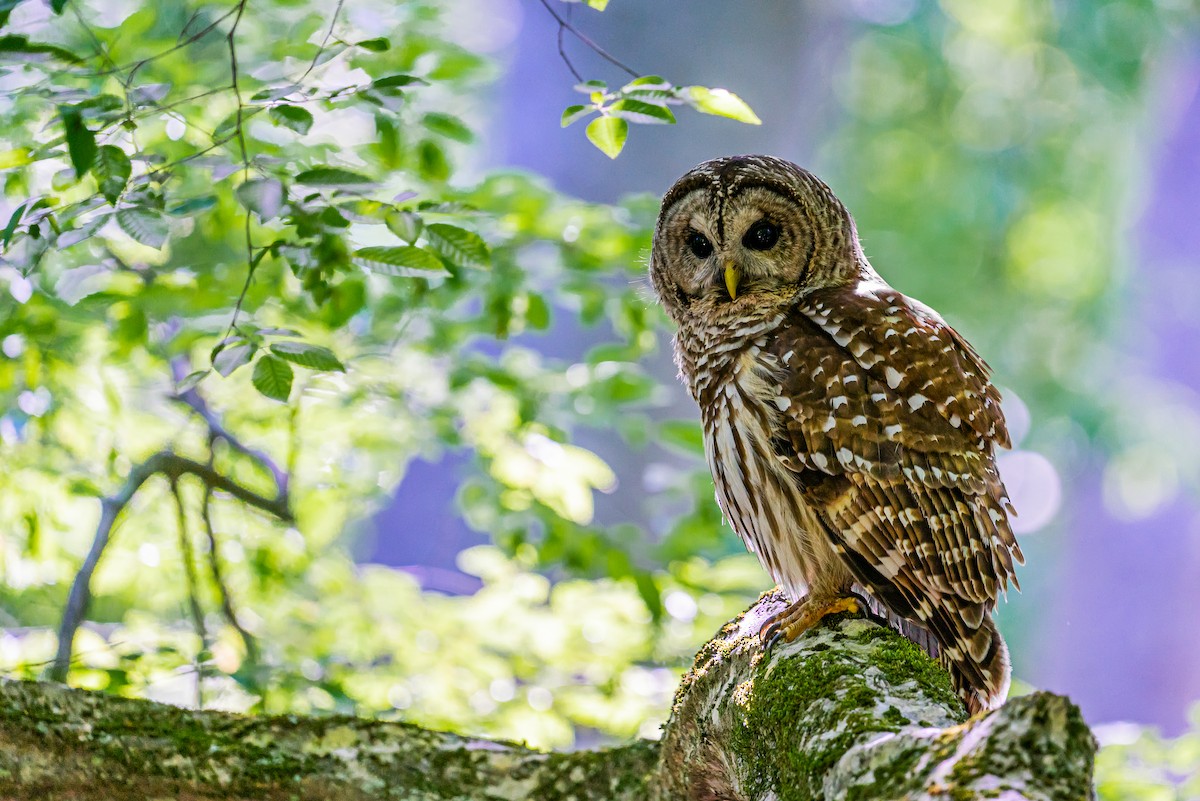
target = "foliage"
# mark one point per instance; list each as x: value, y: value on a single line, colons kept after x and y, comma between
x: 1136, y: 764
x: 254, y: 252
x: 647, y: 99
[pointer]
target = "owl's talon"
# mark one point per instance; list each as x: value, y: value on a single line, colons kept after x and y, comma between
x: 770, y: 636
x: 804, y: 614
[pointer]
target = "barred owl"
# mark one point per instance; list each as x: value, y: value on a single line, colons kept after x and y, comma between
x: 850, y: 431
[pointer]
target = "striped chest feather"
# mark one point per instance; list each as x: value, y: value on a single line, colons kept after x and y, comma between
x: 738, y: 394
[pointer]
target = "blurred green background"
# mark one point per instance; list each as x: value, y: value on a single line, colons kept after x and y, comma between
x: 502, y: 523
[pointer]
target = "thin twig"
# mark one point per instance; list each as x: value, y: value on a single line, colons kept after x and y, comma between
x: 562, y: 53
x: 170, y: 465
x: 597, y: 49
x: 214, y: 566
x: 241, y: 139
x: 324, y: 43
x: 134, y: 66
x: 196, y: 402
x: 193, y: 586
x: 100, y: 51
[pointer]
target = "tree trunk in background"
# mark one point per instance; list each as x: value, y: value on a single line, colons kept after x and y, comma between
x: 850, y: 710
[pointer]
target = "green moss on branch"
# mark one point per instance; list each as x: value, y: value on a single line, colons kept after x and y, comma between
x: 848, y: 712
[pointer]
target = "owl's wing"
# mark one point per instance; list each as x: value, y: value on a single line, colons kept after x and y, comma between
x: 889, y: 419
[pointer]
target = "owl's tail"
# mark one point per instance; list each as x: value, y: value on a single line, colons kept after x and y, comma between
x: 975, y: 656
x: 978, y: 663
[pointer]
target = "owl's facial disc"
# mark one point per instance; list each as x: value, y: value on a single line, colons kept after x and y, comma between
x: 731, y: 245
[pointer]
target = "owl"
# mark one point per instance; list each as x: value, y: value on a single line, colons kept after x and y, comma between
x: 851, y: 433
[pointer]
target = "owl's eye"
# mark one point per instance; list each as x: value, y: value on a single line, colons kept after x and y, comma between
x: 762, y: 235
x: 699, y: 245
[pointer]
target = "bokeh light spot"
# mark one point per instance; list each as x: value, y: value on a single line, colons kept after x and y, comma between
x: 1034, y: 487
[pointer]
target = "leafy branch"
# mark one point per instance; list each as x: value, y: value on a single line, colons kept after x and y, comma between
x: 645, y: 100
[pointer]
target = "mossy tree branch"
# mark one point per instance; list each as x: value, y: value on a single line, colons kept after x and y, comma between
x: 853, y: 710
x: 849, y: 711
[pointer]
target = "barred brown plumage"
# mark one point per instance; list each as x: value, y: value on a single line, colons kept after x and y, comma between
x: 850, y: 431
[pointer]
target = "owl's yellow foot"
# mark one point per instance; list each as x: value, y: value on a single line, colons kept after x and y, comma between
x: 805, y: 613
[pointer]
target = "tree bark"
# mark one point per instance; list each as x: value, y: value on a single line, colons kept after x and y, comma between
x: 848, y: 711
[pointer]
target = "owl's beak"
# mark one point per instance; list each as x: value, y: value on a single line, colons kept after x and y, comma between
x: 733, y: 275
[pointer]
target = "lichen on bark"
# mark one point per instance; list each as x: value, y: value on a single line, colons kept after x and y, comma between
x: 852, y: 710
x: 849, y: 711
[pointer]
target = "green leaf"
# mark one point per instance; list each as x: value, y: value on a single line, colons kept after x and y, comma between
x: 193, y: 205
x: 16, y: 157
x: 275, y: 92
x: 608, y: 134
x: 537, y: 313
x: 191, y: 380
x: 81, y: 142
x: 304, y: 354
x: 591, y: 87
x: 377, y: 45
x: 720, y: 102
x: 273, y: 377
x: 73, y: 236
x: 397, y: 82
x: 575, y: 113
x: 14, y: 47
x: 649, y: 592
x: 637, y: 111
x: 13, y: 222
x: 363, y: 210
x: 263, y: 196
x: 654, y: 81
x: 144, y: 225
x: 432, y: 162
x: 599, y: 5
x: 57, y: 6
x: 404, y: 224
x: 333, y: 177
x: 112, y: 170
x: 407, y: 261
x: 457, y: 245
x: 449, y: 126
x: 293, y: 117
x: 650, y: 89
x: 227, y: 127
x: 230, y: 355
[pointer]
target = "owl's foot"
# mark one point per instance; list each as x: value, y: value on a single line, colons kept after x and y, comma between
x: 805, y: 613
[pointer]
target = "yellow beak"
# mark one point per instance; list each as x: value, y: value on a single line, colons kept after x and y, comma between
x: 732, y: 276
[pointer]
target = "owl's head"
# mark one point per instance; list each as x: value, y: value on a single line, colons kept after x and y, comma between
x: 749, y: 231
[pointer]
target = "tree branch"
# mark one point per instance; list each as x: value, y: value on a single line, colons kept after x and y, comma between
x: 172, y: 466
x: 196, y: 402
x: 855, y: 710
x: 193, y: 587
x: 218, y: 575
x: 849, y: 710
x: 564, y: 25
